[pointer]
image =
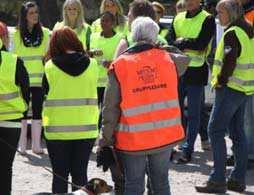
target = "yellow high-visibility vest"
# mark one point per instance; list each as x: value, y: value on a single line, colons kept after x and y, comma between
x: 242, y: 78
x: 32, y: 56
x: 190, y: 28
x: 12, y: 105
x: 70, y: 110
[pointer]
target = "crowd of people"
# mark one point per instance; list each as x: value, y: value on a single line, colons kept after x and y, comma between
x: 135, y: 86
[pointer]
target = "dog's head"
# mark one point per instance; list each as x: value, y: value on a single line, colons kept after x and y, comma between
x: 98, y: 186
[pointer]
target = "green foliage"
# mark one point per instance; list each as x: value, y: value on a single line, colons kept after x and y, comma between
x: 9, y: 9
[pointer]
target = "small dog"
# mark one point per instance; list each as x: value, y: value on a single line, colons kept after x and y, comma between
x: 94, y: 186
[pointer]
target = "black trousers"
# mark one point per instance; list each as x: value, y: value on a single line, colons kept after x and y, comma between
x: 69, y: 157
x: 10, y: 136
x: 100, y: 94
x: 37, y: 101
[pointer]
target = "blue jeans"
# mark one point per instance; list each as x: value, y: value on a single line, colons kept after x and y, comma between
x: 135, y: 167
x: 249, y: 126
x: 195, y: 96
x: 204, y: 118
x: 228, y: 114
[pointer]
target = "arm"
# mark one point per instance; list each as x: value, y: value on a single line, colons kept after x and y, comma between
x: 45, y: 85
x: 201, y: 42
x: 122, y: 46
x: 111, y: 110
x: 22, y: 80
x: 232, y: 49
x: 181, y: 61
x: 171, y: 36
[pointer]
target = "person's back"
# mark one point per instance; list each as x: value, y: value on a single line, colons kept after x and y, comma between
x: 14, y: 98
x: 70, y: 111
x: 141, y: 102
x: 147, y: 78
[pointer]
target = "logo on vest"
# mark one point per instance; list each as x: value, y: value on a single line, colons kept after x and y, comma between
x: 147, y: 74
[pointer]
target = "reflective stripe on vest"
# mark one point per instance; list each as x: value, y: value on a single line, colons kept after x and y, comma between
x: 71, y: 128
x: 103, y: 80
x: 9, y: 124
x: 9, y: 112
x: 238, y: 66
x: 71, y: 102
x: 149, y: 125
x: 35, y: 85
x: 9, y: 96
x: 150, y: 107
x: 31, y: 58
x: 34, y: 75
x: 241, y: 82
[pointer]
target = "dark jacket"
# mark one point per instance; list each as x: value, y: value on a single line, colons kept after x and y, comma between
x: 73, y: 64
x: 111, y: 111
x: 233, y: 49
x: 195, y: 75
x: 21, y: 80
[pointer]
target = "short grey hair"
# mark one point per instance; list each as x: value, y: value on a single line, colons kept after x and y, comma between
x: 144, y: 29
x: 233, y: 8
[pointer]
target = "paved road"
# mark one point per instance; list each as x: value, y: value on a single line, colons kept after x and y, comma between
x: 29, y: 177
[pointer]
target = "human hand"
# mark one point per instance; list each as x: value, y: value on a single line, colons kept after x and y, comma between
x: 96, y: 52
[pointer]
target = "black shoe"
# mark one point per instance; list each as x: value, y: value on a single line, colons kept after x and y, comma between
x: 235, y: 186
x: 230, y: 161
x: 184, y: 159
x: 172, y: 155
x: 250, y: 164
x: 212, y: 187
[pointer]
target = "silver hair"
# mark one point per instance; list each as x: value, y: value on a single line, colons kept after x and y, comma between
x: 144, y: 29
x: 233, y: 8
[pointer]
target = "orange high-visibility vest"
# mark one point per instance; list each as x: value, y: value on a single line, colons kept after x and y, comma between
x: 151, y: 116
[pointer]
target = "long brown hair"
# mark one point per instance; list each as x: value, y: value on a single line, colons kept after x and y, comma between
x: 62, y: 40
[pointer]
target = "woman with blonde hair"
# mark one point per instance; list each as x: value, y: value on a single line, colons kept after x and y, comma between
x: 73, y: 17
x: 114, y: 7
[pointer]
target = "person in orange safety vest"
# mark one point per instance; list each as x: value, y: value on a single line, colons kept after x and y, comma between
x: 141, y: 109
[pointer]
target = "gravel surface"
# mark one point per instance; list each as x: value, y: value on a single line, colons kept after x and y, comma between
x: 29, y: 177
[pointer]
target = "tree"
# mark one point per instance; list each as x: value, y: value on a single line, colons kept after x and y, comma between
x: 49, y: 12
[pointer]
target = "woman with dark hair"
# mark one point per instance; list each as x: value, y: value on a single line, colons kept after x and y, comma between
x: 106, y: 43
x: 14, y: 98
x: 70, y: 112
x: 115, y: 8
x: 30, y: 44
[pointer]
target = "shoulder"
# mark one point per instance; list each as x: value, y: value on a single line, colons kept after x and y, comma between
x: 49, y: 65
x: 119, y: 36
x: 230, y: 37
x: 96, y: 22
x: 45, y: 30
x: 58, y: 25
x: 16, y: 32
